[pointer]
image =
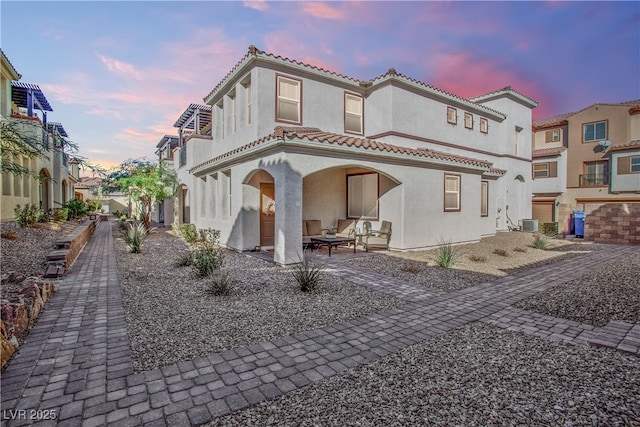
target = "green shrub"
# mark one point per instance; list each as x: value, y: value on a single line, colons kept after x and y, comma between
x: 60, y: 214
x: 206, y: 259
x: 540, y: 241
x: 27, y: 215
x: 188, y: 232
x: 549, y: 229
x: 478, y: 258
x: 501, y: 252
x: 134, y: 236
x: 308, y: 275
x: 446, y: 255
x: 76, y: 208
x: 220, y: 283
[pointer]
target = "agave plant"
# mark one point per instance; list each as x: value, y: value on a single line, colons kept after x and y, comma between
x: 134, y: 236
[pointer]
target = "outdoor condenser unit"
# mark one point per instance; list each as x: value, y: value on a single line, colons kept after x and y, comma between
x: 529, y: 225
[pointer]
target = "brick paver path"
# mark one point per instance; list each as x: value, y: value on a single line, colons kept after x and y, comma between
x: 76, y: 362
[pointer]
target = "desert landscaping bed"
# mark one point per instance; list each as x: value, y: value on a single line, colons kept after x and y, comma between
x: 475, y: 375
x: 484, y: 261
x: 170, y: 316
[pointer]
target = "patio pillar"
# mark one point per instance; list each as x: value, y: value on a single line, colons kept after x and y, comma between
x: 288, y: 221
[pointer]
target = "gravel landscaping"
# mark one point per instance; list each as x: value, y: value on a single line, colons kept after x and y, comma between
x: 475, y: 375
x: 495, y: 256
x: 170, y: 316
x: 609, y: 293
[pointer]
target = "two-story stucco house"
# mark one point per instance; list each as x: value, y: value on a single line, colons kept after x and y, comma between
x: 585, y: 159
x: 20, y: 103
x: 286, y: 142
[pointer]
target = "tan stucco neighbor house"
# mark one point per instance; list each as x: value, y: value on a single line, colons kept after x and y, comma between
x: 278, y: 141
x: 26, y: 106
x: 586, y: 159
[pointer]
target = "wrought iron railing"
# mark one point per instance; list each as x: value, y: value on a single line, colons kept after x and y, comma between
x: 594, y: 179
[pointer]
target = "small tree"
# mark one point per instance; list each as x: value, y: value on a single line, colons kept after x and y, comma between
x: 145, y: 183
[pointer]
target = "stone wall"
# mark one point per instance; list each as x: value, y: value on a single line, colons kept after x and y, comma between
x: 613, y: 223
x: 68, y: 248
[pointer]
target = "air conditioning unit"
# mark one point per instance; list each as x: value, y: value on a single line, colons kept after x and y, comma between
x: 529, y: 225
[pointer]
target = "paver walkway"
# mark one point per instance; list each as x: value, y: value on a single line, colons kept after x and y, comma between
x: 76, y: 363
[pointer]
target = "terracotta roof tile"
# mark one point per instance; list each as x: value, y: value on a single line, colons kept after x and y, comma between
x: 547, y: 152
x: 318, y: 136
x: 635, y: 144
x: 556, y: 120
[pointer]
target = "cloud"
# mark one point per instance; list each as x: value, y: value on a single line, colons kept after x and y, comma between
x: 102, y: 112
x: 260, y: 5
x: 119, y: 67
x: 128, y: 97
x: 322, y: 10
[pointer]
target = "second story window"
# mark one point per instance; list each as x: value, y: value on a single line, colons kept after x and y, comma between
x: 484, y: 125
x: 468, y: 120
x: 594, y: 131
x: 289, y: 95
x: 452, y: 116
x: 552, y: 135
x: 353, y: 113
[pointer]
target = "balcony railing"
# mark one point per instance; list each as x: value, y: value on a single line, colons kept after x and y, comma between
x: 594, y: 180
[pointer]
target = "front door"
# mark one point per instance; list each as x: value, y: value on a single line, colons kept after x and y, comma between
x: 267, y: 214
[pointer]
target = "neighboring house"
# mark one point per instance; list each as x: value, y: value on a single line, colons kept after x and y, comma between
x: 21, y: 102
x: 585, y: 159
x: 165, y: 150
x: 288, y: 142
x: 92, y: 188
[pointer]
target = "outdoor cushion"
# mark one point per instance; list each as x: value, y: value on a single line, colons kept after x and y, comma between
x: 304, y: 228
x: 314, y: 227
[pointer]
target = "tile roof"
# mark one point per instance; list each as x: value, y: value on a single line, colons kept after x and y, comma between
x: 556, y: 120
x: 547, y: 152
x: 507, y: 90
x: 635, y: 144
x: 255, y: 53
x: 316, y: 135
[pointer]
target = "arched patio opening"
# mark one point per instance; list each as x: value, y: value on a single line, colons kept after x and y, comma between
x: 44, y: 189
x: 260, y: 192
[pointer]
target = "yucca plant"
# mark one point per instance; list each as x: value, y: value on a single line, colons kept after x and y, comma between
x: 308, y: 274
x: 220, y: 283
x: 446, y: 255
x: 134, y: 236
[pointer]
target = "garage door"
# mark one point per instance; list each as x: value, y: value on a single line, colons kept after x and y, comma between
x: 543, y: 211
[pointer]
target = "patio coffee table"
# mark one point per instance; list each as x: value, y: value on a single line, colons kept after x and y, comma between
x: 333, y: 241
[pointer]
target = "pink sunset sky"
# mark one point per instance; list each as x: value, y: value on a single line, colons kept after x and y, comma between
x: 119, y: 74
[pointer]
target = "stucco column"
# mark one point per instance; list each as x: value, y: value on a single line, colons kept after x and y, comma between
x: 288, y: 221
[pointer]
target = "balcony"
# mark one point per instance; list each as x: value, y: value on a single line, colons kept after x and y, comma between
x: 594, y: 180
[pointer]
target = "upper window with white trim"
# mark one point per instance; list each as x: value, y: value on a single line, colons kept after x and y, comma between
x: 353, y: 116
x: 452, y: 115
x: 484, y: 125
x: 468, y: 120
x: 289, y: 95
x: 451, y: 192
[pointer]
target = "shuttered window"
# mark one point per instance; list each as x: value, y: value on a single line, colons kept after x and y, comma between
x: 468, y: 120
x: 288, y: 102
x: 628, y: 164
x: 552, y: 135
x: 484, y: 125
x: 353, y: 113
x: 451, y: 193
x: 545, y: 170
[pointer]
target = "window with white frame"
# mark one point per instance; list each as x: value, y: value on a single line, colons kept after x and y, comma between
x: 288, y: 100
x: 362, y: 196
x: 353, y: 106
x: 451, y: 192
x: 452, y: 115
x: 596, y: 131
x: 484, y: 125
x: 484, y: 198
x: 635, y: 164
x: 468, y: 120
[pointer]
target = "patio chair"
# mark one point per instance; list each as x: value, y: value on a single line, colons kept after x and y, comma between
x: 310, y: 228
x: 346, y: 228
x: 378, y: 238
